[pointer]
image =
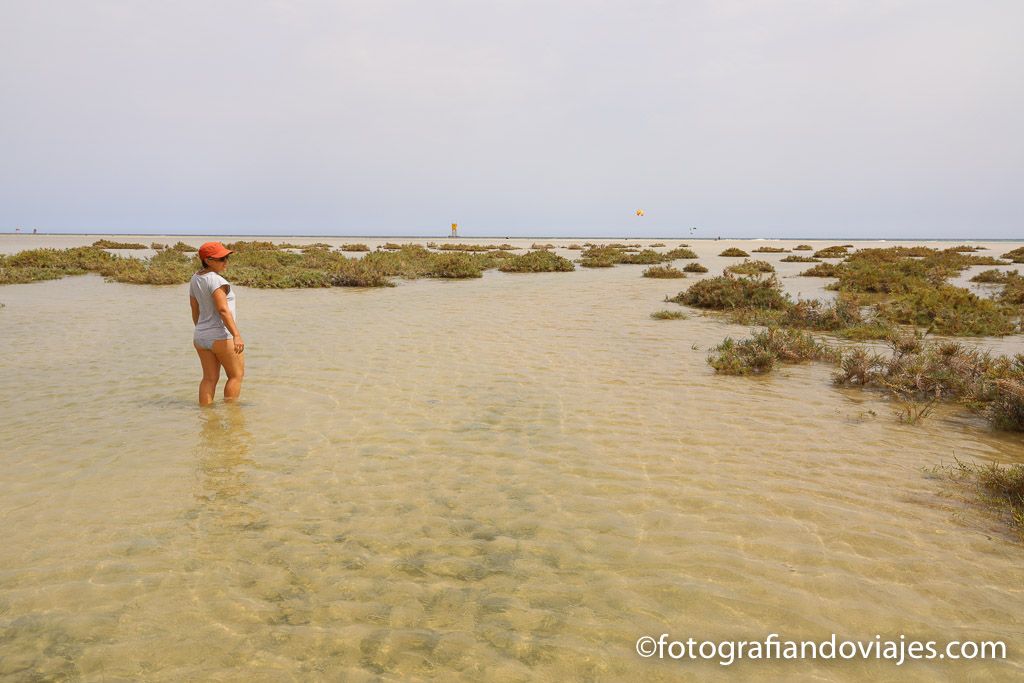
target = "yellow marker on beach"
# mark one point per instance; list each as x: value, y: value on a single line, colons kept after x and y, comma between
x: 455, y: 229
x: 639, y: 212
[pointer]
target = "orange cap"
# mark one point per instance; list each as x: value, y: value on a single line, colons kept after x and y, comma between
x: 213, y: 250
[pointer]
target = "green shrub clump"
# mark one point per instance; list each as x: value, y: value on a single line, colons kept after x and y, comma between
x: 645, y: 257
x: 917, y: 371
x: 455, y: 266
x: 680, y: 253
x: 831, y: 252
x: 765, y: 349
x: 596, y: 262
x: 1013, y: 291
x: 34, y: 265
x: 1016, y: 255
x: 995, y: 487
x: 793, y: 258
x: 663, y: 272
x: 993, y: 276
x: 108, y: 244
x: 166, y: 267
x: 950, y: 310
x: 734, y: 252
x: 694, y: 268
x: 748, y: 267
x: 541, y: 261
x: 822, y: 270
x: 824, y: 317
x: 729, y: 292
x: 668, y: 315
x: 251, y: 245
x: 24, y: 275
x: 770, y: 250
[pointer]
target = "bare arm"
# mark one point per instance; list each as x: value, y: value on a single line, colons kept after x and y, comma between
x: 220, y: 300
x: 195, y: 310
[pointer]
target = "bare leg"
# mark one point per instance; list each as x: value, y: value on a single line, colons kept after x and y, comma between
x: 234, y: 366
x: 211, y: 375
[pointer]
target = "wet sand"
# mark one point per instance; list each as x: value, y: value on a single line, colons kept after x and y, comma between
x: 510, y: 478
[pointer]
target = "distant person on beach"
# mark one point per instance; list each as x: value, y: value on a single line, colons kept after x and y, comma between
x: 216, y: 338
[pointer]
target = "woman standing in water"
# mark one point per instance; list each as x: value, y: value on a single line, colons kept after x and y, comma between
x: 216, y: 337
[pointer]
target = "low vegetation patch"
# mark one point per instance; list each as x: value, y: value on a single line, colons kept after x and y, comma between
x: 834, y: 316
x: 803, y: 247
x: 918, y: 372
x: 694, y: 268
x: 727, y: 292
x: 749, y: 267
x: 994, y: 276
x: 770, y: 250
x: 793, y: 258
x: 994, y: 487
x: 663, y: 272
x: 354, y: 247
x: 1013, y: 291
x: 843, y: 317
x: 766, y: 349
x: 831, y: 252
x: 108, y: 244
x: 455, y: 266
x: 669, y: 315
x: 900, y: 270
x: 268, y: 265
x: 166, y: 267
x: 680, y: 253
x: 472, y: 247
x: 604, y: 256
x: 23, y: 275
x: 734, y: 252
x: 647, y: 256
x: 1016, y: 255
x: 542, y: 261
x: 252, y: 245
x: 950, y: 310
x: 822, y: 270
x: 603, y: 253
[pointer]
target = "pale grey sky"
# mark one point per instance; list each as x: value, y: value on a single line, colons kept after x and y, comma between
x: 813, y: 118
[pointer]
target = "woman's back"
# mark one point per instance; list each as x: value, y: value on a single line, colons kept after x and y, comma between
x: 201, y: 288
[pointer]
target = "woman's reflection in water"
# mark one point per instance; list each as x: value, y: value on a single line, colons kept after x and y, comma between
x: 223, y: 460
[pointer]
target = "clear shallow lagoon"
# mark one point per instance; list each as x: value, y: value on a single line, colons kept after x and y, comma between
x: 510, y: 478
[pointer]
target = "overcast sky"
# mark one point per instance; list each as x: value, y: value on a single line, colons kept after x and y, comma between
x: 818, y: 118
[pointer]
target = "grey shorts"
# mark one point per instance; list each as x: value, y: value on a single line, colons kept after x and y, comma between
x: 206, y: 339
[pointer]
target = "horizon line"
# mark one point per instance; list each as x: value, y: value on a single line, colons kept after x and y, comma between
x: 559, y: 237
